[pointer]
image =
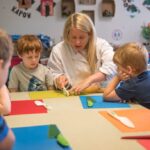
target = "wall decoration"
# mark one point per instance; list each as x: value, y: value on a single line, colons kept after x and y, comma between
x: 24, y: 3
x: 117, y: 35
x: 90, y: 13
x: 22, y: 8
x: 146, y: 32
x: 131, y: 7
x: 67, y: 7
x: 47, y: 7
x: 87, y: 2
x: 108, y: 8
x: 146, y: 3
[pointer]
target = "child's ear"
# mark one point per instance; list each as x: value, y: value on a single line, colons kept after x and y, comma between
x: 130, y: 70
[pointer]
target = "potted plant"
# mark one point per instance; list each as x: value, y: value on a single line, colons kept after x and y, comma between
x: 146, y: 32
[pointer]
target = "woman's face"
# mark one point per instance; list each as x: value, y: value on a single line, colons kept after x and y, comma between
x: 78, y: 39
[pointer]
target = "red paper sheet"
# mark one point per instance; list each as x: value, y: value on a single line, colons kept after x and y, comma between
x: 145, y: 143
x: 26, y: 107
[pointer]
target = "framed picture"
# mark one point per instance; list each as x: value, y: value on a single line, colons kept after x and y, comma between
x: 67, y: 7
x: 24, y: 3
x: 90, y: 13
x: 87, y: 2
x: 108, y: 8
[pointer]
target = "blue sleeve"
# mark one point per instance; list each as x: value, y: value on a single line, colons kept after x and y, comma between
x: 126, y: 90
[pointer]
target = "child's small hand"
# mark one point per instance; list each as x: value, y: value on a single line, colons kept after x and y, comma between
x: 123, y: 75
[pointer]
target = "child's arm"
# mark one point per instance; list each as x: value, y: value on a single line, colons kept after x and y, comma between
x: 5, y: 104
x: 109, y: 92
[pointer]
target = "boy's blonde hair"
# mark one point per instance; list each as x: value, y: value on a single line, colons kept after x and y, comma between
x: 28, y: 43
x: 83, y: 22
x: 6, y: 47
x: 132, y: 54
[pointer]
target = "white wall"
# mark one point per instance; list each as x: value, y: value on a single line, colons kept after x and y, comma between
x: 53, y: 25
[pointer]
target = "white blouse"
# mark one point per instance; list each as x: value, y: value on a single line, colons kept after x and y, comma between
x: 64, y: 60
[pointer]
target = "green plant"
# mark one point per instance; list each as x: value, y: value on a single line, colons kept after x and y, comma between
x: 146, y: 32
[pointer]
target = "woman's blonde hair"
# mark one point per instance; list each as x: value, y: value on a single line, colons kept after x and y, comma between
x: 83, y: 22
x: 28, y: 43
x: 132, y: 54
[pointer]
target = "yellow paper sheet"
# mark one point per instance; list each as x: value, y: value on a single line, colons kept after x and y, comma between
x: 46, y: 94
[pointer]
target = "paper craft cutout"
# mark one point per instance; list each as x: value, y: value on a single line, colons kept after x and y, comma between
x: 140, y: 118
x: 36, y: 138
x: 46, y: 94
x: 61, y: 140
x: 26, y: 107
x: 90, y: 101
x: 145, y: 143
x: 99, y: 103
x: 55, y: 133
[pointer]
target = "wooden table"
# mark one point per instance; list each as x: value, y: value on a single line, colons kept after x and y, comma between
x: 85, y: 129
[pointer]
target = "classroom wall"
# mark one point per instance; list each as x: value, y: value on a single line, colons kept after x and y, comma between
x: 124, y: 26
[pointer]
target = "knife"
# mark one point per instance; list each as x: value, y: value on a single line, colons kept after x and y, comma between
x: 124, y: 120
x: 65, y: 91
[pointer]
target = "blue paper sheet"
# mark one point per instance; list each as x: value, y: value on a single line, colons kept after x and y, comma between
x: 99, y: 103
x: 35, y: 138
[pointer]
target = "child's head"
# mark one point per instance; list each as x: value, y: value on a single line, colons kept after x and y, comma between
x: 132, y: 55
x: 6, y: 51
x: 29, y: 49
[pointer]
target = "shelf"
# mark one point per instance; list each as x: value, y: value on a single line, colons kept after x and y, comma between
x: 108, y: 8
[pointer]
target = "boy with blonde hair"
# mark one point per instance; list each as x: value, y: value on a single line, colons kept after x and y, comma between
x: 133, y: 79
x: 6, y: 49
x: 29, y: 75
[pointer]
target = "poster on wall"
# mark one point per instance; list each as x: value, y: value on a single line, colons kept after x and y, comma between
x: 24, y: 3
x: 87, y: 2
x: 146, y: 3
x: 47, y: 8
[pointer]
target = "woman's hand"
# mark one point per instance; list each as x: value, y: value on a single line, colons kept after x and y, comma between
x: 77, y: 89
x: 61, y: 81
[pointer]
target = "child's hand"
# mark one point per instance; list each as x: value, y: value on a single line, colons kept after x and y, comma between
x: 123, y: 75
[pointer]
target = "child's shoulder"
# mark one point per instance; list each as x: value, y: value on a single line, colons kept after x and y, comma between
x: 17, y: 67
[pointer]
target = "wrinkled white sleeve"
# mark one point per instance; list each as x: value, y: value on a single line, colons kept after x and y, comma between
x: 55, y: 63
x: 105, y: 56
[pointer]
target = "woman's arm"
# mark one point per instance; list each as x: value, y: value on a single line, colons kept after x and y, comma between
x: 93, y: 79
